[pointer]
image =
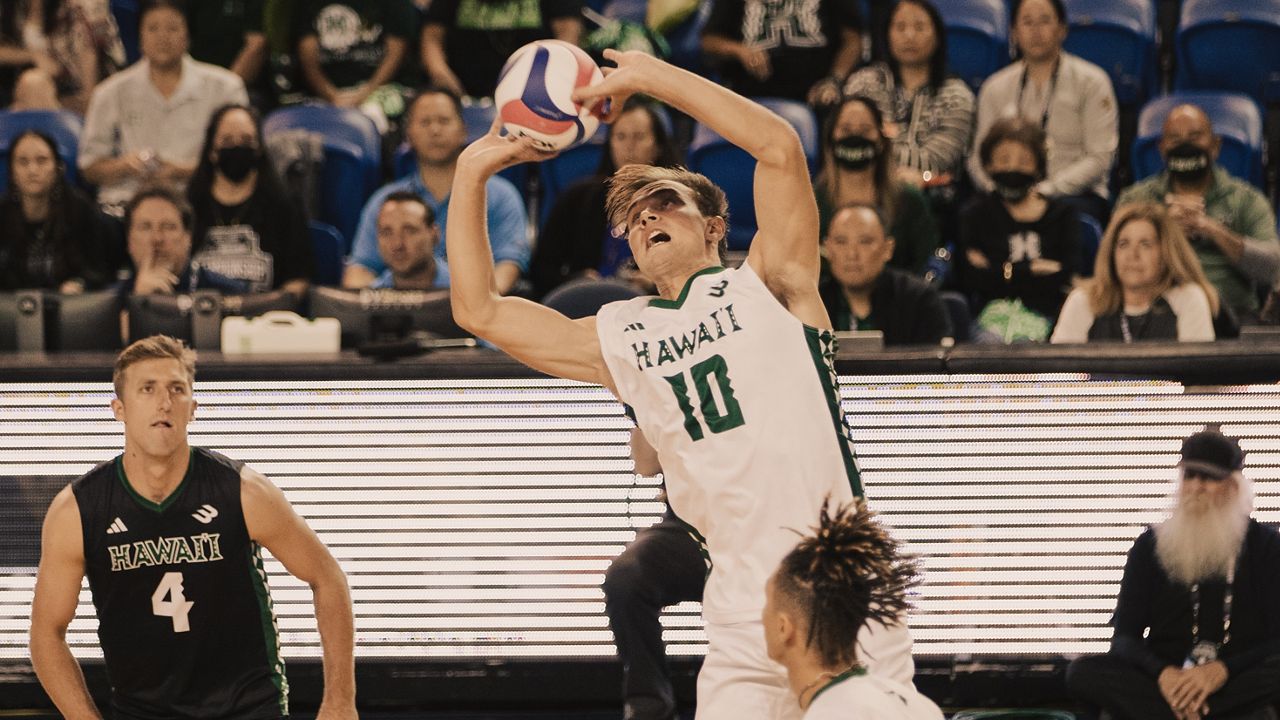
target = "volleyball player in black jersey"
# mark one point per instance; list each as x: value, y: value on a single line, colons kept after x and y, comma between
x: 170, y: 537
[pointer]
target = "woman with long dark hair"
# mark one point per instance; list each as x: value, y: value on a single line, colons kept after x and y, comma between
x: 858, y: 168
x: 51, y: 235
x: 577, y: 241
x: 931, y: 112
x: 69, y: 45
x: 246, y: 226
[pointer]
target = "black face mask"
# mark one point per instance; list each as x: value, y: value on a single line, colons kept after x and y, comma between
x: 1188, y: 161
x: 1013, y: 186
x: 237, y: 161
x: 855, y: 153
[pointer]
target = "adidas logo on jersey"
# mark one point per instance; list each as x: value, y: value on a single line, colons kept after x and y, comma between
x: 117, y: 526
x: 205, y: 514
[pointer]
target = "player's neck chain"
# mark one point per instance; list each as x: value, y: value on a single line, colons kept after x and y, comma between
x: 831, y: 678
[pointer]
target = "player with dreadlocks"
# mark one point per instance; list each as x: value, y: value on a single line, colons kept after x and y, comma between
x: 851, y: 572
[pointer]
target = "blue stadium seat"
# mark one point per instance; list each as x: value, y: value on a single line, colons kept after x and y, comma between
x: 1118, y: 36
x: 1235, y: 118
x: 734, y: 170
x: 583, y: 298
x: 125, y: 13
x: 1230, y: 45
x: 329, y: 249
x: 685, y: 40
x: 63, y: 126
x: 977, y: 37
x: 352, y: 157
x: 1090, y: 239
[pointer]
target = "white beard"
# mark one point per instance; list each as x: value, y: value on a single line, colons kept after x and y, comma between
x: 1200, y: 541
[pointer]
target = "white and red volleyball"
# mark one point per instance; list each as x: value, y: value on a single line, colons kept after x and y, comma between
x: 534, y: 91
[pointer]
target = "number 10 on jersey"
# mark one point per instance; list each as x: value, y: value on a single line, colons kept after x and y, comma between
x: 719, y: 416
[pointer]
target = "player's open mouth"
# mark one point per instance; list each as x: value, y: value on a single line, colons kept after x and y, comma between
x: 658, y: 237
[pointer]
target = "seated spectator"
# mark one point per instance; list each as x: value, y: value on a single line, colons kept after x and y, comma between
x: 577, y: 241
x: 1195, y: 625
x: 857, y: 168
x: 861, y: 293
x: 465, y: 43
x: 801, y: 51
x: 230, y: 34
x: 351, y: 52
x: 1069, y: 98
x: 69, y: 46
x: 1147, y: 285
x: 407, y: 239
x: 1229, y: 222
x: 157, y: 223
x: 246, y: 225
x: 436, y: 134
x: 1014, y: 242
x: 931, y: 113
x: 145, y: 122
x: 51, y: 235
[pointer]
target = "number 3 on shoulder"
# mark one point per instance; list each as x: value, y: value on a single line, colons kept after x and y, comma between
x: 177, y: 606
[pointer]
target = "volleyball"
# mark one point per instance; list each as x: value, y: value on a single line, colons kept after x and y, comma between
x: 534, y: 92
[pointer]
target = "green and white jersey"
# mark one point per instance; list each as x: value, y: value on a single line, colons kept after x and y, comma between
x: 859, y: 696
x: 740, y: 400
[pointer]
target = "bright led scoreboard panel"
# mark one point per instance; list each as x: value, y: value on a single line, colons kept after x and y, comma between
x: 475, y: 519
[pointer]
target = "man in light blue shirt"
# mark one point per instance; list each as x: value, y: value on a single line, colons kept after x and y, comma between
x: 436, y: 133
x: 407, y: 239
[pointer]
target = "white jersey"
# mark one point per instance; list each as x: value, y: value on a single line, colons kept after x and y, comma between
x: 741, y: 402
x: 869, y: 697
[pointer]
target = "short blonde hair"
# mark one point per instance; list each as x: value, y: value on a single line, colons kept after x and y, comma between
x: 1181, y: 266
x: 630, y: 179
x: 156, y: 347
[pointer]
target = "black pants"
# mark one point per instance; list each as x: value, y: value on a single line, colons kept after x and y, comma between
x: 1128, y: 693
x: 662, y: 567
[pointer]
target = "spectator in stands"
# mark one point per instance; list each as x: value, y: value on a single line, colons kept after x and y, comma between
x: 352, y: 51
x: 931, y: 113
x: 1147, y: 285
x: 69, y: 46
x: 577, y: 241
x: 1196, y: 632
x: 157, y: 223
x: 465, y: 42
x: 231, y: 34
x: 857, y: 167
x: 407, y: 239
x: 1230, y: 223
x: 797, y: 50
x: 436, y: 133
x: 862, y: 293
x: 1014, y: 242
x: 145, y: 122
x: 1069, y: 98
x: 51, y: 235
x: 246, y: 225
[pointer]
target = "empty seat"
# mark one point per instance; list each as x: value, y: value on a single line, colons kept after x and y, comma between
x: 583, y: 298
x: 1230, y: 45
x: 84, y: 322
x: 352, y: 157
x: 1236, y: 119
x: 731, y: 168
x: 63, y: 126
x: 329, y: 249
x: 1118, y: 36
x: 977, y: 38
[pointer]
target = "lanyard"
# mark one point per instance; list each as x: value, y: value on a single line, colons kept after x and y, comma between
x: 1053, y: 89
x: 1124, y: 326
x: 1226, y: 609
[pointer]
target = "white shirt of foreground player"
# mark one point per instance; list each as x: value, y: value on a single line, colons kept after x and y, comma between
x: 869, y: 697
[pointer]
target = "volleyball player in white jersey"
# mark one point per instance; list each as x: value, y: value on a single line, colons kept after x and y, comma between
x: 729, y: 372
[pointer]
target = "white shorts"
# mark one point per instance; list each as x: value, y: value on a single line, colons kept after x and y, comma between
x: 738, y: 681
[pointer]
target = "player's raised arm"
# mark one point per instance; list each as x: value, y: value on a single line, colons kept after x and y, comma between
x: 273, y: 524
x: 785, y: 250
x: 533, y: 334
x: 53, y: 607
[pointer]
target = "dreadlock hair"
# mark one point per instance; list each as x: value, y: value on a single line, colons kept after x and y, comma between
x: 848, y: 573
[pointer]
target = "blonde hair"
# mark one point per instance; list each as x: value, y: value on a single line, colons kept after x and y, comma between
x: 156, y: 347
x: 1181, y: 266
x: 630, y: 179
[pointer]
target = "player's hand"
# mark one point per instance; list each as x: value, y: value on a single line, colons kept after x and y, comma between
x: 494, y: 152
x: 607, y: 97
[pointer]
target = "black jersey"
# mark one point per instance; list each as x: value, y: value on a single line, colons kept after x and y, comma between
x: 184, y: 613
